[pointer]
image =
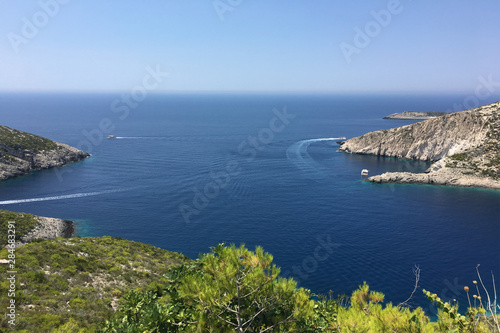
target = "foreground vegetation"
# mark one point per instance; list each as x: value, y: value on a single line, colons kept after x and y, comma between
x: 114, y: 285
x: 68, y: 285
x: 235, y: 290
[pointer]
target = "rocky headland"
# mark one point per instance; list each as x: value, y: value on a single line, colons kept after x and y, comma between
x: 464, y: 146
x: 49, y: 228
x: 415, y: 115
x: 22, y: 153
x: 28, y: 227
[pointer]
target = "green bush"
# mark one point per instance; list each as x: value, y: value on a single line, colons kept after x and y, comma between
x: 460, y: 157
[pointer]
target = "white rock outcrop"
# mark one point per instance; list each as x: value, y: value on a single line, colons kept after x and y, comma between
x: 49, y: 228
x: 465, y: 147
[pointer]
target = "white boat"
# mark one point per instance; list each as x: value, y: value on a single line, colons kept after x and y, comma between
x: 111, y: 137
x: 364, y: 172
x: 341, y: 140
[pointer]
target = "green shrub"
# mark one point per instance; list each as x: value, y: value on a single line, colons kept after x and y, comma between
x: 460, y: 157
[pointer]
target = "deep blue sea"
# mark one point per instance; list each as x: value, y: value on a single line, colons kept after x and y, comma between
x: 188, y: 171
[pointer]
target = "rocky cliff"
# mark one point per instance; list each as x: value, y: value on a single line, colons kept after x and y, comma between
x: 465, y: 147
x: 22, y: 153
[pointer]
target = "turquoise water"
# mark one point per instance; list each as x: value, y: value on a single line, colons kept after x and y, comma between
x: 189, y: 171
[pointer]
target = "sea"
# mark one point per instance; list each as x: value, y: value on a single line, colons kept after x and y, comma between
x: 187, y: 171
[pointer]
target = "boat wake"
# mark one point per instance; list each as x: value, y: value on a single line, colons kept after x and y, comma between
x: 140, y: 137
x: 298, y: 155
x: 59, y: 197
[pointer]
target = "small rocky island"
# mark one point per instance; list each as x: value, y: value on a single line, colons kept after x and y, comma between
x: 414, y: 115
x: 464, y: 146
x: 22, y: 153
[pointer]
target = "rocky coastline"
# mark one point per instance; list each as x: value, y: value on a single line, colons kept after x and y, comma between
x: 463, y: 146
x: 446, y: 177
x: 415, y: 115
x: 22, y: 153
x: 48, y: 228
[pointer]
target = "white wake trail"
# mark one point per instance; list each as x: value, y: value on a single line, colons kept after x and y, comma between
x: 59, y: 197
x: 298, y: 155
x: 143, y: 137
x: 134, y: 137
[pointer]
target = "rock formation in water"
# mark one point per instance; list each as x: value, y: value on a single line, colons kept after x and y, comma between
x: 22, y: 153
x: 409, y: 115
x: 465, y: 147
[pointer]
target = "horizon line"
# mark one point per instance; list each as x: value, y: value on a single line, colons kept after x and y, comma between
x: 243, y: 92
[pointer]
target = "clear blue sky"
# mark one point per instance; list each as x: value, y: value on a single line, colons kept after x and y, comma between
x: 260, y: 45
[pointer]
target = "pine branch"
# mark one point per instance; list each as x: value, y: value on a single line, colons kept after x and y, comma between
x: 256, y: 289
x: 279, y: 323
x: 225, y: 320
x: 249, y: 321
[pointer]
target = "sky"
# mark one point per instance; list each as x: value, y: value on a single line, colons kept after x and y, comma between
x: 332, y: 46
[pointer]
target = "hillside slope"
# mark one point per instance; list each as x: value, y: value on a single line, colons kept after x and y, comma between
x: 78, y: 282
x: 22, y: 153
x: 465, y: 147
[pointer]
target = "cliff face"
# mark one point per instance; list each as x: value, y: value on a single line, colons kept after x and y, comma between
x: 465, y: 146
x: 22, y: 153
x: 428, y: 140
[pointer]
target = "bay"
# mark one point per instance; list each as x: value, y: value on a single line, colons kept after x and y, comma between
x: 188, y: 171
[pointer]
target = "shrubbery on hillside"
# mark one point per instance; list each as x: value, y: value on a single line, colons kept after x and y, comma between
x: 235, y: 290
x: 75, y: 285
x: 18, y: 140
x: 75, y: 282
